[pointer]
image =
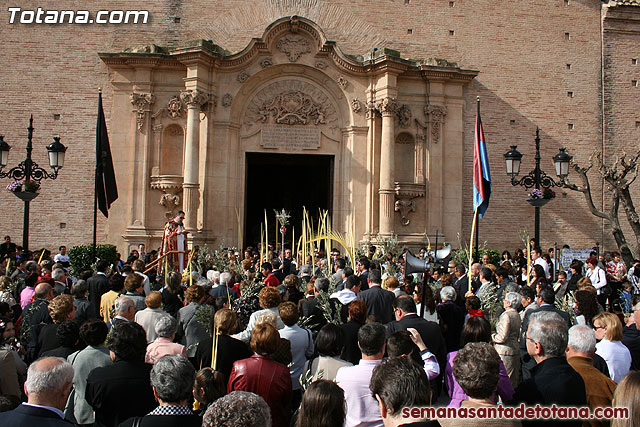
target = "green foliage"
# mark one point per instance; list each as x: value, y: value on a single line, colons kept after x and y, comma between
x: 81, y: 257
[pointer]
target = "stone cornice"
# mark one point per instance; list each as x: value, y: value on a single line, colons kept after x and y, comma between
x: 376, y: 62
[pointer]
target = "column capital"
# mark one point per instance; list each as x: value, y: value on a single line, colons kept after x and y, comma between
x: 387, y: 106
x: 142, y: 104
x: 194, y: 98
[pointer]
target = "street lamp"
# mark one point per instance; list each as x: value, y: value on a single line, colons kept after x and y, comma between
x: 28, y: 170
x: 537, y: 178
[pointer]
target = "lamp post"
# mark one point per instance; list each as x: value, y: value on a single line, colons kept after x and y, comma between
x: 537, y: 178
x: 28, y: 170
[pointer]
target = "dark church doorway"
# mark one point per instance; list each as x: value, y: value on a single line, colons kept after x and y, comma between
x: 289, y: 181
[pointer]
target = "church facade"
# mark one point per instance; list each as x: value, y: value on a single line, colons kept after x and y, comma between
x: 224, y: 111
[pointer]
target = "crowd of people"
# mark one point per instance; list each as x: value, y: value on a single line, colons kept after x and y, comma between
x: 250, y: 341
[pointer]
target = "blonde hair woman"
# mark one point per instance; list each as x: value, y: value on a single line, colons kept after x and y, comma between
x: 608, y: 329
x: 627, y: 395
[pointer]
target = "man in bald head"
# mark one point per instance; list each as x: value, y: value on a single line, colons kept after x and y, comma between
x: 49, y: 382
x: 34, y: 316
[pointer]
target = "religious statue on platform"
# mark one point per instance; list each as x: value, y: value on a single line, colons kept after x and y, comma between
x: 174, y: 239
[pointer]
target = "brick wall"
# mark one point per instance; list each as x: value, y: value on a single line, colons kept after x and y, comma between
x: 520, y: 48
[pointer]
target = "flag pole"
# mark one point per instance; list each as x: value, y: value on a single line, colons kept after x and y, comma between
x: 477, y: 254
x: 473, y: 231
x: 95, y: 186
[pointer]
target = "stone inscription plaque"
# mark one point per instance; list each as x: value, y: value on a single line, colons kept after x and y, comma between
x: 290, y: 138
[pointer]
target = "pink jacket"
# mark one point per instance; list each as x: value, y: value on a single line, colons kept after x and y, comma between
x: 162, y: 347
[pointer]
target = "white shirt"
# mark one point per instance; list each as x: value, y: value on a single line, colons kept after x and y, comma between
x: 598, y: 278
x: 145, y: 282
x: 617, y: 356
x: 301, y: 348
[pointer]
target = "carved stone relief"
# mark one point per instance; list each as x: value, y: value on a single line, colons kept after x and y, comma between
x: 227, y: 99
x: 342, y: 82
x: 404, y: 206
x: 387, y: 106
x: 194, y: 98
x: 321, y: 65
x: 142, y: 103
x: 243, y: 76
x: 266, y: 62
x: 293, y: 46
x: 356, y: 105
x: 170, y: 186
x: 436, y: 118
x: 291, y: 102
x: 175, y: 107
x: 405, y: 193
x: 404, y: 115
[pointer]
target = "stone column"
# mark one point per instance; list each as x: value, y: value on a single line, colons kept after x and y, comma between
x: 194, y: 99
x: 387, y: 108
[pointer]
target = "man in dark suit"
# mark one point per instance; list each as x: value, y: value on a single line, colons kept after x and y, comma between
x: 461, y: 285
x: 553, y: 380
x: 546, y: 300
x: 405, y: 312
x: 406, y: 316
x: 309, y: 307
x: 379, y: 301
x: 98, y: 284
x: 49, y: 382
x: 122, y: 390
x: 363, y: 268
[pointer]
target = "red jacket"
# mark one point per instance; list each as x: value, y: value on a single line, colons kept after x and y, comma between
x: 271, y: 280
x: 266, y: 378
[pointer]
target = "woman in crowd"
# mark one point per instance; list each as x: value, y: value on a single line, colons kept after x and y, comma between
x: 627, y: 395
x: 189, y: 329
x: 84, y: 309
x: 208, y: 386
x: 576, y: 274
x: 430, y: 312
x: 451, y: 318
x: 165, y: 329
x: 250, y: 374
x: 270, y: 299
x: 506, y: 256
x: 9, y: 378
x: 586, y: 307
x: 357, y: 317
x: 598, y: 280
x: 608, y: 329
x: 476, y: 329
x: 172, y: 294
x: 323, y: 405
x: 538, y: 278
x: 61, y: 309
x: 229, y: 350
x: 329, y: 344
x: 507, y: 335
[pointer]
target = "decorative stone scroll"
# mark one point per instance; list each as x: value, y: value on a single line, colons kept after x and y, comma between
x: 243, y: 76
x: 266, y: 62
x: 342, y: 82
x: 436, y: 118
x: 293, y: 46
x: 170, y: 186
x: 290, y: 138
x: 142, y: 103
x: 320, y: 65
